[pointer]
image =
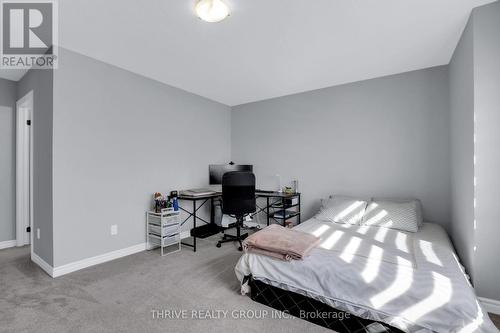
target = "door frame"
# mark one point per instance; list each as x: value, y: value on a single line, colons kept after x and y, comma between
x: 24, y: 170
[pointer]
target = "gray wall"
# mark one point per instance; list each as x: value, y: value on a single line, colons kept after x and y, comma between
x: 7, y: 160
x: 41, y: 82
x: 382, y: 137
x: 487, y: 107
x: 118, y: 138
x: 474, y: 87
x: 461, y: 71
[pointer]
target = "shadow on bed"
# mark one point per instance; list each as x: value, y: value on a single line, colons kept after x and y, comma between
x: 412, y: 294
x: 306, y: 308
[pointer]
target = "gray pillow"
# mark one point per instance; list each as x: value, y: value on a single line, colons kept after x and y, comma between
x: 392, y: 214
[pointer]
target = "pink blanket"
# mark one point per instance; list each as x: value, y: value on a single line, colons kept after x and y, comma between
x: 281, y: 243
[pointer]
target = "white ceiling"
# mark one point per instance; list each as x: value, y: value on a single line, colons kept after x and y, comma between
x: 12, y: 74
x: 266, y: 48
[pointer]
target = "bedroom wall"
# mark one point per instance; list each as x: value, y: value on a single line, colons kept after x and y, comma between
x: 487, y: 109
x: 475, y: 134
x: 41, y: 82
x: 118, y: 138
x: 461, y: 72
x: 7, y: 160
x: 382, y: 137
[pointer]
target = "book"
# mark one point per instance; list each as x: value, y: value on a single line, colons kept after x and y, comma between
x: 197, y: 192
x: 283, y: 213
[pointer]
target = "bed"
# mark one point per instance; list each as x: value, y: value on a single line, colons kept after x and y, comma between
x: 410, y: 282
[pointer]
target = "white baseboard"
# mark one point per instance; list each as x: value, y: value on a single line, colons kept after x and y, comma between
x: 77, y: 265
x: 490, y: 305
x: 84, y: 263
x: 42, y: 263
x: 7, y: 244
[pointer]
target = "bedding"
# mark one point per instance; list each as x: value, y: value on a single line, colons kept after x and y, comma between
x: 392, y: 214
x: 281, y: 243
x: 411, y: 281
x: 418, y: 204
x: 299, y: 306
x: 342, y: 209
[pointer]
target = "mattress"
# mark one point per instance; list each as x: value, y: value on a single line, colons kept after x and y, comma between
x: 411, y: 281
x: 314, y: 311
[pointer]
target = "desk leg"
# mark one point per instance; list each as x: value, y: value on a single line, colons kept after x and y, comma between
x: 300, y: 211
x: 212, y: 213
x: 284, y: 211
x: 194, y: 225
x: 267, y: 210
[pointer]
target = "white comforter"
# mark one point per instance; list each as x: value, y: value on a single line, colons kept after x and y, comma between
x: 412, y: 281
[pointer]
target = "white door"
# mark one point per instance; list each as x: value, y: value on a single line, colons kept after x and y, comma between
x: 24, y: 142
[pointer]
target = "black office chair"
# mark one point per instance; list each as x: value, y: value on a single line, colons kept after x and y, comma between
x: 238, y: 200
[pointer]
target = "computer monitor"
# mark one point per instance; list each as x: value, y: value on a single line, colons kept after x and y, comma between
x: 217, y: 170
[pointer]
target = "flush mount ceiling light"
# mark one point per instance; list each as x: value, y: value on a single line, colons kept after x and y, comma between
x: 211, y: 10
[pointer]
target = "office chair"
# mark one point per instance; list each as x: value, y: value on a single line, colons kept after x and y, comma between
x: 238, y: 200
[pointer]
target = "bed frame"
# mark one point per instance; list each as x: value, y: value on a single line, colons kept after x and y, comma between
x: 293, y: 303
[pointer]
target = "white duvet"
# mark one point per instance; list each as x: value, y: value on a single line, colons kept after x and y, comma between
x: 412, y: 281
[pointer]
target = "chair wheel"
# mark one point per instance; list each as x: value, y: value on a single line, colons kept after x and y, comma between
x: 218, y: 245
x: 240, y: 249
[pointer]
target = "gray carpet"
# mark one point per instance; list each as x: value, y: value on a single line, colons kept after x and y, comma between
x: 119, y: 296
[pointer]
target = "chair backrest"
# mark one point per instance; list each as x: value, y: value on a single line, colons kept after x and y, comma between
x: 238, y: 193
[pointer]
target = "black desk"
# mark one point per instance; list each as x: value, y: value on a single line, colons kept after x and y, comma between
x: 192, y: 214
x: 273, y: 200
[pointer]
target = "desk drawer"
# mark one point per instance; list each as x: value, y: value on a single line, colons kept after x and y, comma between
x: 167, y: 229
x: 168, y: 240
x: 165, y: 219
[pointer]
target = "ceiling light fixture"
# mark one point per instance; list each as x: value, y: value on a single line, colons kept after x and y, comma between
x: 212, y: 10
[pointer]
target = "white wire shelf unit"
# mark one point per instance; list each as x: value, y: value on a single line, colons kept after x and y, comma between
x: 163, y: 230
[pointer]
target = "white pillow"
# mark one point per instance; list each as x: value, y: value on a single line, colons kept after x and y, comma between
x: 418, y: 203
x: 342, y: 209
x: 392, y: 214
